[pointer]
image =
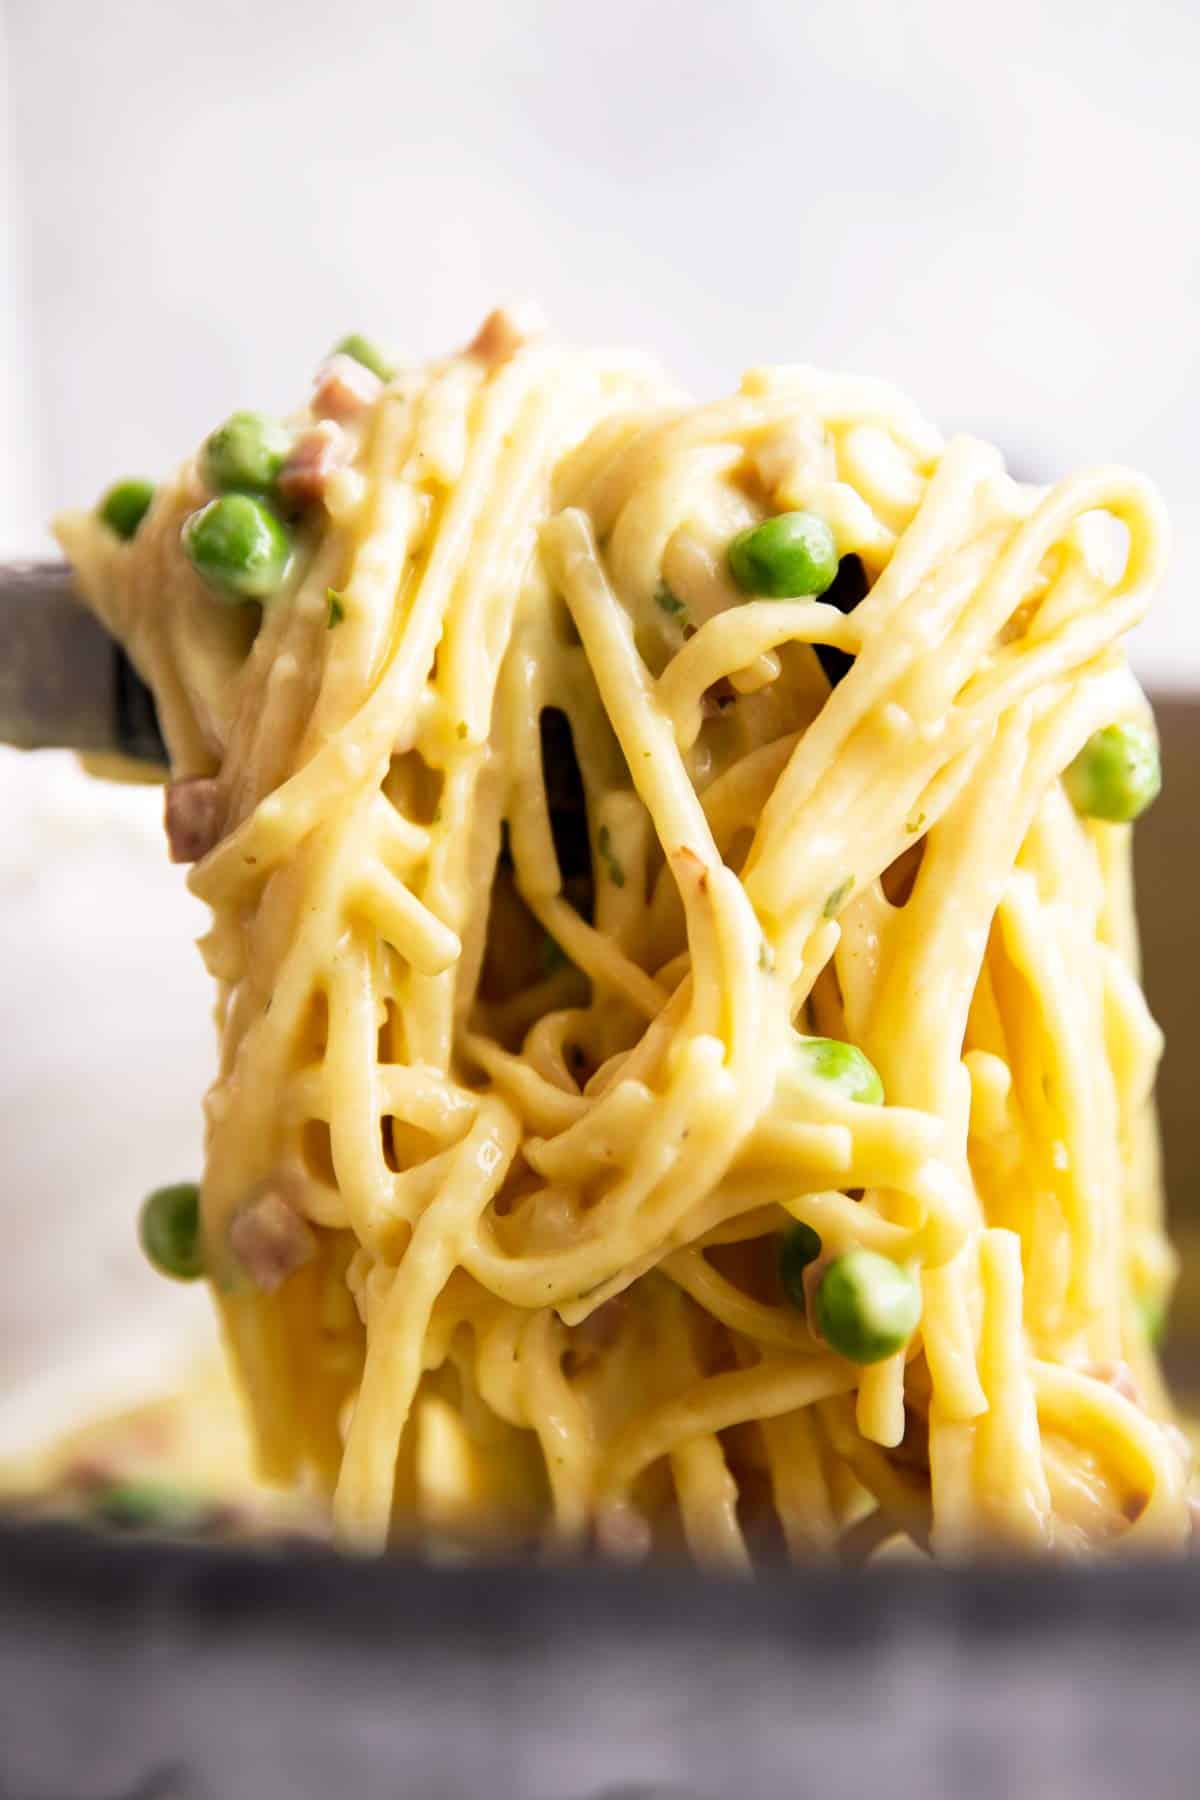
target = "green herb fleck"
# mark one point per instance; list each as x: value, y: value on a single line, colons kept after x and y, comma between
x: 337, y: 610
x: 830, y: 908
x: 151, y: 1506
x: 553, y: 955
x: 670, y: 603
x: 766, y: 957
x: 1152, y: 1313
x: 616, y: 873
x: 914, y: 825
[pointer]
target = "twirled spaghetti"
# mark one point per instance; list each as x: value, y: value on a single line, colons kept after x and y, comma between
x: 539, y: 853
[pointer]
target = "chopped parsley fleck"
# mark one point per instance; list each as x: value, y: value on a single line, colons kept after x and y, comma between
x: 337, y: 610
x: 142, y: 1505
x: 766, y: 957
x: 616, y: 873
x: 914, y: 825
x: 670, y: 603
x: 829, y: 910
x: 1153, y: 1316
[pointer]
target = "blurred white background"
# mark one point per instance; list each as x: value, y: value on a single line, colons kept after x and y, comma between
x: 995, y: 206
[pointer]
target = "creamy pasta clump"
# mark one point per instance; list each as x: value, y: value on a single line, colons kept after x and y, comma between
x: 684, y: 1083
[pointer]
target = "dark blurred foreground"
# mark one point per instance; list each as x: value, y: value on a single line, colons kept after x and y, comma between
x: 135, y: 1671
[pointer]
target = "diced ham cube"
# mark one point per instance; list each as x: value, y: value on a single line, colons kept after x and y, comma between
x: 344, y: 389
x: 270, y: 1240
x: 810, y: 1281
x: 192, y: 814
x: 1118, y: 1376
x: 503, y: 333
x: 622, y: 1532
x: 715, y: 699
x: 314, y: 456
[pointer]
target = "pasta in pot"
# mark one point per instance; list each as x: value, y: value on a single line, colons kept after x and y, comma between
x: 684, y: 1082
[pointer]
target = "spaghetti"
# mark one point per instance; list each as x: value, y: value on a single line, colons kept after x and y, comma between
x: 541, y: 854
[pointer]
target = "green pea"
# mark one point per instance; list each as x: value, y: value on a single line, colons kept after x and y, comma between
x: 125, y: 505
x: 246, y: 452
x: 800, y: 1247
x: 368, y: 354
x: 843, y: 1065
x: 150, y: 1506
x: 239, y: 547
x: 169, y: 1230
x: 867, y: 1307
x: 1116, y: 775
x: 792, y: 554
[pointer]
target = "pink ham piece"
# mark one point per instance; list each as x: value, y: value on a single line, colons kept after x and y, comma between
x: 811, y: 1281
x: 715, y: 699
x: 623, y: 1533
x: 192, y: 815
x: 345, y: 389
x: 504, y: 332
x: 270, y: 1240
x: 314, y: 456
x: 1116, y: 1375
